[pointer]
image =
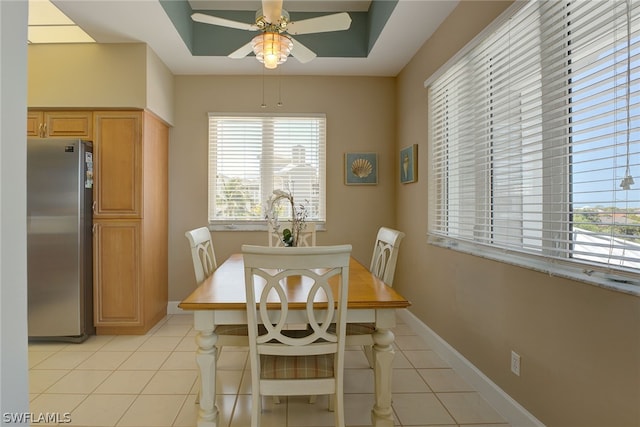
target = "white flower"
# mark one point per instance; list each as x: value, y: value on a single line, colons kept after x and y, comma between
x: 298, y: 217
x: 282, y: 193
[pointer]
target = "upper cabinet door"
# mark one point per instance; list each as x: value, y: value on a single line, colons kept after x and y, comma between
x: 35, y: 123
x: 118, y: 164
x: 60, y: 124
x: 75, y: 124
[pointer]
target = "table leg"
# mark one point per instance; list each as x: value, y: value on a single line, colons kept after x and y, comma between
x: 206, y: 357
x: 382, y: 414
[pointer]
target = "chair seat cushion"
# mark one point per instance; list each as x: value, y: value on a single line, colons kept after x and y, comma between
x: 296, y: 367
x: 357, y: 328
x: 360, y: 328
x: 236, y: 330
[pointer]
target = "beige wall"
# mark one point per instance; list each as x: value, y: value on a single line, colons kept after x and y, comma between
x: 160, y: 87
x: 87, y: 75
x: 99, y: 76
x: 580, y: 344
x: 360, y: 117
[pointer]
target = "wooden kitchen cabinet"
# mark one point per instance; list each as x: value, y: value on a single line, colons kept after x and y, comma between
x: 118, y: 164
x: 60, y: 124
x: 117, y: 299
x: 130, y: 221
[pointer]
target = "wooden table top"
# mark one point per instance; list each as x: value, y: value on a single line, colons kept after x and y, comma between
x: 225, y: 290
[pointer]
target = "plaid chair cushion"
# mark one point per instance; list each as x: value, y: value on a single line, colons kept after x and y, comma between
x: 237, y: 330
x: 357, y: 328
x: 360, y: 328
x: 296, y: 367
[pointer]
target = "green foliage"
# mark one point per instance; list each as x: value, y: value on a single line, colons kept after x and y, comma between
x: 287, y: 237
x: 609, y: 221
x: 235, y: 198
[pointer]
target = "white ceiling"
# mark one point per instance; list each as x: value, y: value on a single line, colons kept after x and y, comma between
x: 133, y: 21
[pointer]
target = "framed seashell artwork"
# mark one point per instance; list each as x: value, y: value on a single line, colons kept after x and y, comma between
x: 361, y: 168
x: 409, y: 164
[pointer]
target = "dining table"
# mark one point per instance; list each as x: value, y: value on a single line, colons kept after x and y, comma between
x: 221, y: 300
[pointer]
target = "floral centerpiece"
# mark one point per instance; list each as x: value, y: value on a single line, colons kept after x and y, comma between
x: 289, y: 237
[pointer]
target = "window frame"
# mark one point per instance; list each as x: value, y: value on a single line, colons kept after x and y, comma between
x: 260, y: 224
x: 624, y: 279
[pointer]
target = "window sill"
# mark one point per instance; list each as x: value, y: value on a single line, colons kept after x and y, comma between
x: 237, y: 227
x: 252, y: 227
x: 585, y: 273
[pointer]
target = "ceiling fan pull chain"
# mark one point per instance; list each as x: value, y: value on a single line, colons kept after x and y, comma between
x: 280, y: 104
x: 263, y: 105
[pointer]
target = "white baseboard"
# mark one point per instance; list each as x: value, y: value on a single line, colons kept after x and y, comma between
x: 506, y: 406
x: 172, y: 308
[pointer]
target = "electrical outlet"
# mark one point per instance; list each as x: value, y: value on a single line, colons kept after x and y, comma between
x: 515, y: 363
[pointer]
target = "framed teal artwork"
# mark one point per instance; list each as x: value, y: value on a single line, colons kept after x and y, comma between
x: 409, y: 164
x: 361, y: 168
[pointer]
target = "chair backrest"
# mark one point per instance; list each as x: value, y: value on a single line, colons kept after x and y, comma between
x: 385, y: 254
x: 307, y: 236
x: 202, y: 253
x: 270, y: 274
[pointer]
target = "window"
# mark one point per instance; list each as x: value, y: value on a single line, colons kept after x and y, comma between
x: 252, y: 155
x: 534, y: 134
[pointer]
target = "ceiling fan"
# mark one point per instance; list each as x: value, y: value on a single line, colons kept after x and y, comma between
x: 272, y: 46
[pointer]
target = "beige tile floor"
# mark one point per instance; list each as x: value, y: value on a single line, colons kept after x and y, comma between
x: 152, y: 380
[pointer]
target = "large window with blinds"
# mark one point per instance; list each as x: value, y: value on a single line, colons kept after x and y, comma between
x: 250, y: 156
x: 535, y: 139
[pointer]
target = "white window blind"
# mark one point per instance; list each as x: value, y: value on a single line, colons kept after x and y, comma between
x: 532, y: 132
x: 252, y: 155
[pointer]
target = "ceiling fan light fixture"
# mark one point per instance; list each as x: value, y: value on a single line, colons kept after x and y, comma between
x: 271, y: 48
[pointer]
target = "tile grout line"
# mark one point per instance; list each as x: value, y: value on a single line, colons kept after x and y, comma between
x: 176, y: 351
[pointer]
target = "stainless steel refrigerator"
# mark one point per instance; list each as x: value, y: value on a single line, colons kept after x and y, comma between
x: 59, y: 239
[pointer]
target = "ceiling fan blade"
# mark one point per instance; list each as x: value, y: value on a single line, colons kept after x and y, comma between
x: 321, y: 24
x: 301, y: 52
x: 222, y: 22
x: 272, y: 10
x: 241, y: 52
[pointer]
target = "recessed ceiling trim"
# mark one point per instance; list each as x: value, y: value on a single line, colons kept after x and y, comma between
x: 212, y: 40
x: 291, y: 6
x: 147, y: 21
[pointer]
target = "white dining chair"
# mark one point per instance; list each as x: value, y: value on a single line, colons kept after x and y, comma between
x: 304, y: 362
x: 306, y: 238
x: 204, y: 264
x: 383, y: 266
x: 202, y: 253
x: 385, y: 254
x: 307, y: 235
